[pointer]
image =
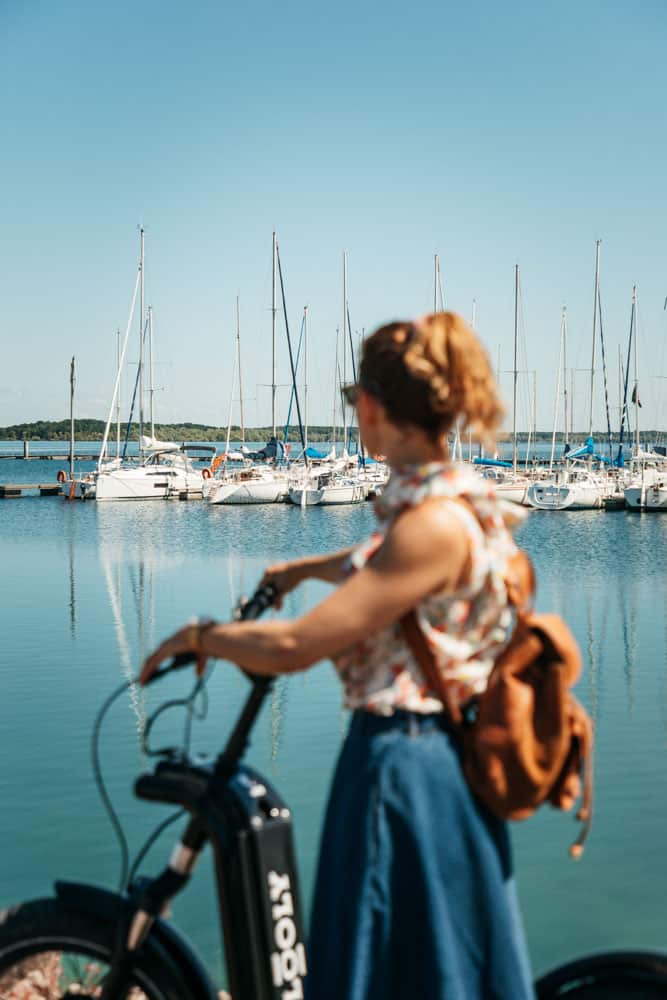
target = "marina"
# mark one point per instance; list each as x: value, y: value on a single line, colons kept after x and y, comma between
x: 641, y: 486
x: 608, y: 471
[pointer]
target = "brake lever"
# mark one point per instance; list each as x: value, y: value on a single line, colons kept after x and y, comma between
x: 178, y: 663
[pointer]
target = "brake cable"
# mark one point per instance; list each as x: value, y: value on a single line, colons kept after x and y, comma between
x: 101, y: 787
x: 250, y: 609
x: 192, y: 712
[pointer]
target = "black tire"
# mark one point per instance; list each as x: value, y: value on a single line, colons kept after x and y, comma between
x: 617, y: 975
x: 49, y: 951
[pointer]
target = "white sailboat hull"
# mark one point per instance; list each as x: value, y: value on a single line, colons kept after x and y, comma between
x: 260, y: 491
x: 646, y: 498
x: 143, y: 484
x: 330, y: 495
x: 343, y: 493
x: 563, y: 496
x: 515, y: 492
x: 305, y: 496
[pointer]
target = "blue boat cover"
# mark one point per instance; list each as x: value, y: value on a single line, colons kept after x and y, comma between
x: 491, y: 461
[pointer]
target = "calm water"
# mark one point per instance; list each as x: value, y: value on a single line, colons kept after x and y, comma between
x: 85, y: 590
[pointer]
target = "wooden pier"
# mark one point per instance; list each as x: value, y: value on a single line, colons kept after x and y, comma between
x: 11, y: 491
x: 51, y: 456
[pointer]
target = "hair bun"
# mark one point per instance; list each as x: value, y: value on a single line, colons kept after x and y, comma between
x: 442, y: 376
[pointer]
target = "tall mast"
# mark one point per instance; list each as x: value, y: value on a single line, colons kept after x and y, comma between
x: 72, y: 383
x: 473, y: 323
x: 238, y: 358
x: 336, y: 396
x: 565, y: 374
x: 533, y: 415
x: 635, y: 394
x: 151, y: 391
x: 229, y: 418
x: 595, y: 326
x: 273, y: 341
x: 105, y: 438
x: 435, y: 282
x: 558, y: 376
x: 118, y: 396
x: 305, y: 372
x: 620, y: 383
x: 345, y: 335
x: 141, y: 342
x: 516, y: 349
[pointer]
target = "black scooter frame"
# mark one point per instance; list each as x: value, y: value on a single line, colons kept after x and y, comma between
x: 250, y: 829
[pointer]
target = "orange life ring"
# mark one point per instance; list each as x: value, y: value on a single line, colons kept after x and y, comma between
x: 62, y: 476
x: 206, y: 473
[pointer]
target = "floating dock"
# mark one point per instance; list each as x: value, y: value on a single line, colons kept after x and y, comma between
x: 11, y: 491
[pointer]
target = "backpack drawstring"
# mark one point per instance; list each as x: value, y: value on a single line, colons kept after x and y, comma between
x: 585, y: 812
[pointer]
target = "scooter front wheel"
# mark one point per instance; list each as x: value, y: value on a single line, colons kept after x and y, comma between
x: 51, y: 952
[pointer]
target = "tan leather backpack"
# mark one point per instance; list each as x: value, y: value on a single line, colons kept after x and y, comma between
x: 526, y: 739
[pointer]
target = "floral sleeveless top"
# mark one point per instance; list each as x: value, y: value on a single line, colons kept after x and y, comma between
x: 465, y: 629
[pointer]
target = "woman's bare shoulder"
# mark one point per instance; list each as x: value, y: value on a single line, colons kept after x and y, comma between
x: 429, y: 531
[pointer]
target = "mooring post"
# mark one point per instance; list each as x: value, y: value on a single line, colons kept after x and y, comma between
x: 72, y: 383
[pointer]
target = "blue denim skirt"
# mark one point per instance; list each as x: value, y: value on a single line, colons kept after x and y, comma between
x: 414, y: 898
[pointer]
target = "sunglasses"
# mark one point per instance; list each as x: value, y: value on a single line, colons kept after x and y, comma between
x: 351, y: 391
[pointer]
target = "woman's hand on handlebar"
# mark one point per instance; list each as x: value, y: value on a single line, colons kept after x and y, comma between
x: 188, y: 641
x: 284, y: 577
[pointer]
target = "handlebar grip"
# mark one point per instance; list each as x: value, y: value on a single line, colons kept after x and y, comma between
x: 178, y: 662
x: 262, y: 599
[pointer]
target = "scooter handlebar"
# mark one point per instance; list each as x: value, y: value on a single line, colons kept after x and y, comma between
x: 247, y: 610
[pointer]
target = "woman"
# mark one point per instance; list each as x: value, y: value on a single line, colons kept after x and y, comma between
x: 414, y: 895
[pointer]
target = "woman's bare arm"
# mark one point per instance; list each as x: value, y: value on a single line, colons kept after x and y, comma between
x: 328, y: 568
x: 425, y: 551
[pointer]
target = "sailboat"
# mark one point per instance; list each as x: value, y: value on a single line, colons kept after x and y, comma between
x: 164, y: 469
x: 576, y: 487
x: 510, y: 484
x: 250, y: 483
x: 647, y: 485
x: 335, y: 485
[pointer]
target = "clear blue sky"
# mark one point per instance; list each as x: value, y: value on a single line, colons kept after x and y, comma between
x: 488, y: 133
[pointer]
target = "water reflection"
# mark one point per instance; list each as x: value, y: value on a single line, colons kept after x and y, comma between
x: 162, y: 563
x: 72, y: 579
x: 629, y: 633
x: 603, y: 572
x: 591, y: 661
x: 278, y: 710
x: 113, y: 575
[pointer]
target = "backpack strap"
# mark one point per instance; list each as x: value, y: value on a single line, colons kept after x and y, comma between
x: 519, y: 580
x: 418, y: 644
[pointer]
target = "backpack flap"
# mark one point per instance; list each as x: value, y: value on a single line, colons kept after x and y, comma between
x: 516, y: 750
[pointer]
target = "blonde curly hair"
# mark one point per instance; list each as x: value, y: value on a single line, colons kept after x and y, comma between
x: 433, y: 373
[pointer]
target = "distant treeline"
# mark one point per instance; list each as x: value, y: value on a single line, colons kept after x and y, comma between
x: 93, y: 430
